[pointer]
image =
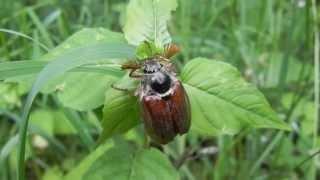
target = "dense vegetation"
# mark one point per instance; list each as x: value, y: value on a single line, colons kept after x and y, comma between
x: 272, y: 43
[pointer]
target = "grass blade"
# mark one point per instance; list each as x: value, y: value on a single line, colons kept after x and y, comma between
x: 59, y: 147
x: 77, y: 122
x: 316, y: 83
x: 21, y: 68
x: 7, y: 149
x: 24, y: 36
x: 40, y: 26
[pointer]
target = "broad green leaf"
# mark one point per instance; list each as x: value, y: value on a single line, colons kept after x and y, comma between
x: 120, y: 112
x: 89, y: 94
x: 124, y: 162
x: 146, y: 20
x: 222, y: 102
x: 76, y: 57
x: 66, y: 61
x: 84, y: 37
x: 84, y: 91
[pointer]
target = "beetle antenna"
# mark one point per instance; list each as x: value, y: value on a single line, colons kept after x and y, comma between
x: 170, y: 50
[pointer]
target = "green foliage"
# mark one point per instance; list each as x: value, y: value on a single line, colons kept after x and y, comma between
x: 44, y: 119
x: 19, y: 71
x: 6, y: 150
x: 52, y: 122
x: 79, y: 171
x: 146, y: 20
x: 120, y: 113
x: 125, y: 162
x: 80, y: 92
x: 64, y: 62
x: 53, y: 174
x: 222, y: 102
x: 270, y: 42
x: 77, y: 90
x: 147, y: 50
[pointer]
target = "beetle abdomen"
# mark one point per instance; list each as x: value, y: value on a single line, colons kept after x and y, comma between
x: 165, y: 117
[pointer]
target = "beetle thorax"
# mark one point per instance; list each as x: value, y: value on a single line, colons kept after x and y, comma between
x: 156, y: 79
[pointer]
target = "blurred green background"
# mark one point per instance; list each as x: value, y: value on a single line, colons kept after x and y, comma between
x: 270, y: 42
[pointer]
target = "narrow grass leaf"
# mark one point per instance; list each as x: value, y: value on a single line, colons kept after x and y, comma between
x: 7, y: 149
x: 24, y: 36
x: 16, y: 69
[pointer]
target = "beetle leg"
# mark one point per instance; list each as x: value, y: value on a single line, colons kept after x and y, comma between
x: 146, y: 142
x: 130, y: 66
x: 133, y: 74
x: 119, y: 88
x: 126, y: 90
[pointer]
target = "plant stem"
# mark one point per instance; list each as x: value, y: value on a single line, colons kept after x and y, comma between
x: 21, y: 151
x: 316, y: 81
x: 266, y: 152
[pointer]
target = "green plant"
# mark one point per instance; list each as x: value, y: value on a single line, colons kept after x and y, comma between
x: 222, y: 102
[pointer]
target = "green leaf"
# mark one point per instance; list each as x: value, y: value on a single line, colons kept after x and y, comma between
x: 44, y: 120
x: 6, y: 149
x: 124, y: 162
x: 20, y: 68
x: 66, y: 61
x: 83, y: 91
x: 80, y: 126
x: 120, y: 112
x: 83, y: 167
x: 147, y: 50
x: 52, y: 122
x: 62, y: 125
x: 146, y: 20
x: 77, y: 89
x: 15, y: 71
x: 222, y: 102
x: 85, y: 37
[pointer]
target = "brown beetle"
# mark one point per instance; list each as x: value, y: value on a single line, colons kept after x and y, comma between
x: 165, y: 106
